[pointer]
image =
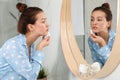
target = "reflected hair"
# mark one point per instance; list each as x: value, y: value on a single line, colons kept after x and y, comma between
x: 28, y: 16
x: 105, y: 7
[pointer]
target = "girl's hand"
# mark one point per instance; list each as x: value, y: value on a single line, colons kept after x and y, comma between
x: 44, y: 42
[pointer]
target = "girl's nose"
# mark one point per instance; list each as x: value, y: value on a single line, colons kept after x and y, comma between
x: 94, y: 22
x: 47, y: 25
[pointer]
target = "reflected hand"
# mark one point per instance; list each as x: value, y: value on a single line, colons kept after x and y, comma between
x: 98, y: 39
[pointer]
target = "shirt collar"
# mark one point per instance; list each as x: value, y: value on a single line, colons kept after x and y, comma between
x: 23, y: 40
x: 112, y: 34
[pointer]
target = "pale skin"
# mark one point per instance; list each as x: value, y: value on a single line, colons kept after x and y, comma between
x: 100, y: 25
x: 40, y: 28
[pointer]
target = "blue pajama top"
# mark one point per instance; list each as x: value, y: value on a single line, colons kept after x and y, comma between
x: 15, y: 62
x: 101, y: 54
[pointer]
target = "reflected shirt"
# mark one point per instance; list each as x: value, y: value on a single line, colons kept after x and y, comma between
x: 101, y: 54
x: 15, y: 62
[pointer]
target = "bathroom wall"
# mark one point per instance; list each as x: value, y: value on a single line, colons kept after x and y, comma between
x: 8, y: 20
x: 54, y: 59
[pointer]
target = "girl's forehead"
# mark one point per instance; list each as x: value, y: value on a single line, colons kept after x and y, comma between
x: 41, y: 16
x: 98, y: 14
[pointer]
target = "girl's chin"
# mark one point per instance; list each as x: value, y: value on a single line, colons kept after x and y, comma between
x: 95, y: 31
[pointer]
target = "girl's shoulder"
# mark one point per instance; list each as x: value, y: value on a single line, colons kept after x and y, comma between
x: 11, y: 41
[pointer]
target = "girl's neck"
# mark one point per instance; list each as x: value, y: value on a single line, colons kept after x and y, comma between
x: 30, y: 39
x: 105, y: 36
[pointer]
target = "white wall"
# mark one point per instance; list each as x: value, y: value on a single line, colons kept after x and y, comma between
x: 7, y: 22
x: 77, y: 17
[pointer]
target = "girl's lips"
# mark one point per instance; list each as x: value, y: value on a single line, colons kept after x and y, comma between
x: 94, y: 28
x: 47, y: 30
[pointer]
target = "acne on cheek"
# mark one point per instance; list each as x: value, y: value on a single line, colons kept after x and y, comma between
x: 102, y: 25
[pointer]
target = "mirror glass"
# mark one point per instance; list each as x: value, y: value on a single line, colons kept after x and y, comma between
x: 81, y: 17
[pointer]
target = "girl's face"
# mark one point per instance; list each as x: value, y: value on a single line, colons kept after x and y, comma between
x: 41, y: 25
x: 99, y: 22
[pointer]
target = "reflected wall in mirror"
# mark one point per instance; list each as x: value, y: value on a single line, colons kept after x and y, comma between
x: 72, y: 53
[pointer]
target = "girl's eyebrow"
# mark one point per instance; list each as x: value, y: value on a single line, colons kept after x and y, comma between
x: 92, y: 17
x: 43, y: 18
x: 97, y: 17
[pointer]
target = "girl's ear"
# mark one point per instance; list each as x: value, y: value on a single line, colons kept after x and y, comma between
x: 30, y: 27
x: 109, y: 24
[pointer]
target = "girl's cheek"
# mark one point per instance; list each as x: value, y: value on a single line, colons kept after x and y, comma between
x: 101, y: 25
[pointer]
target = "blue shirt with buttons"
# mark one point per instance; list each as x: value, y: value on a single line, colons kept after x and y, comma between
x: 15, y: 62
x: 101, y: 54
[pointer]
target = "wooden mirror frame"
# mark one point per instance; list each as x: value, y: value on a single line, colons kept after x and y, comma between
x: 71, y: 51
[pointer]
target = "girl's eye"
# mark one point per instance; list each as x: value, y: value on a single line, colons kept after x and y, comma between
x: 91, y: 19
x: 43, y: 21
x: 99, y: 19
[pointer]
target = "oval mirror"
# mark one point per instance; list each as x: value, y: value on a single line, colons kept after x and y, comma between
x: 72, y: 53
